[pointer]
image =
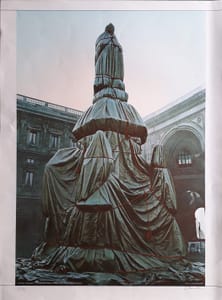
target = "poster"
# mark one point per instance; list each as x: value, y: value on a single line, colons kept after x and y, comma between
x: 9, y: 25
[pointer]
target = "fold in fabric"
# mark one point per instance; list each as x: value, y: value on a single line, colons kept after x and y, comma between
x: 111, y: 115
x: 122, y: 219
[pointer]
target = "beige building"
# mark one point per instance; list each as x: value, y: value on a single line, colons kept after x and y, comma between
x: 42, y: 129
x: 180, y: 128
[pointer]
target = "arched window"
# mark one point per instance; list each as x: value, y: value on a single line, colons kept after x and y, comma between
x: 32, y: 137
x: 184, y: 159
x: 29, y: 178
x: 200, y: 223
x: 54, y: 140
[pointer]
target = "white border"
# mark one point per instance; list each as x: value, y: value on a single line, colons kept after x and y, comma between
x: 106, y: 5
x: 8, y: 156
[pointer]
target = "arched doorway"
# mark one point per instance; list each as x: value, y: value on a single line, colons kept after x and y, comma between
x: 200, y: 223
x: 185, y: 159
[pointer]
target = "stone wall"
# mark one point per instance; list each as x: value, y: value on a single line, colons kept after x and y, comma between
x: 42, y: 128
x: 180, y: 128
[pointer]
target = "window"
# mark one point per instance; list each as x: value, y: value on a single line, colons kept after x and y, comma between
x: 72, y: 143
x: 55, y: 139
x: 32, y: 137
x: 75, y: 144
x: 184, y: 159
x: 29, y: 178
x: 200, y: 223
x: 30, y: 161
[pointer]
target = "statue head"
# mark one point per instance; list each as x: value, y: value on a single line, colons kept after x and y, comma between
x: 110, y: 28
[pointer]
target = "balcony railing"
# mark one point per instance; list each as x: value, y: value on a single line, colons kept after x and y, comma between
x: 49, y: 105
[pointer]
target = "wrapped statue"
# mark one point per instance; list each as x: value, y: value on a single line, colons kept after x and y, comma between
x: 106, y: 208
x: 108, y: 61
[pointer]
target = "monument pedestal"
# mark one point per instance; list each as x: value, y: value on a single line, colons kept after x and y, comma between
x: 28, y: 274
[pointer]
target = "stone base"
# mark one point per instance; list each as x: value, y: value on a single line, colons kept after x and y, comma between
x: 26, y: 274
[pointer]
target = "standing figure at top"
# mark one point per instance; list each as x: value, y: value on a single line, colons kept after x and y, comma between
x: 108, y: 61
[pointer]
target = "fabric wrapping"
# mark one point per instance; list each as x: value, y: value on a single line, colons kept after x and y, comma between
x: 135, y: 232
x: 108, y: 62
x: 111, y: 115
x: 106, y: 208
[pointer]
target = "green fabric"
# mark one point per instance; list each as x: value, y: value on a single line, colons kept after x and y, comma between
x: 109, y: 70
x: 106, y: 209
x: 114, y: 115
x: 182, y: 273
x: 106, y: 214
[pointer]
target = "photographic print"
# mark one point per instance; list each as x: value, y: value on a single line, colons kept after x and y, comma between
x: 110, y: 147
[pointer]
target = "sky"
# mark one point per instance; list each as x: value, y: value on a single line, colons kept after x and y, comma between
x: 164, y: 55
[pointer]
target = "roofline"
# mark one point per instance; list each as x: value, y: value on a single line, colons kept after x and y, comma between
x: 50, y: 105
x: 187, y: 102
x: 47, y: 109
x: 181, y: 100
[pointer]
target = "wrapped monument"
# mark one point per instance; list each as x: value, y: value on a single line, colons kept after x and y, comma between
x: 106, y: 209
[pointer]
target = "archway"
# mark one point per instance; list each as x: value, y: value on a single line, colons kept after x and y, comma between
x: 200, y: 223
x: 185, y: 159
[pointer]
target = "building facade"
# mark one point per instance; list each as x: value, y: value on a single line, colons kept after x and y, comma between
x: 180, y: 129
x: 42, y: 128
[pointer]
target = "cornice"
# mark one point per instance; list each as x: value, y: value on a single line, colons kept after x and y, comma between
x: 176, y: 108
x: 47, y: 109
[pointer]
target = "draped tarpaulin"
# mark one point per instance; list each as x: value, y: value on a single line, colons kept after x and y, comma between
x: 122, y: 221
x: 109, y: 114
x: 107, y: 210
